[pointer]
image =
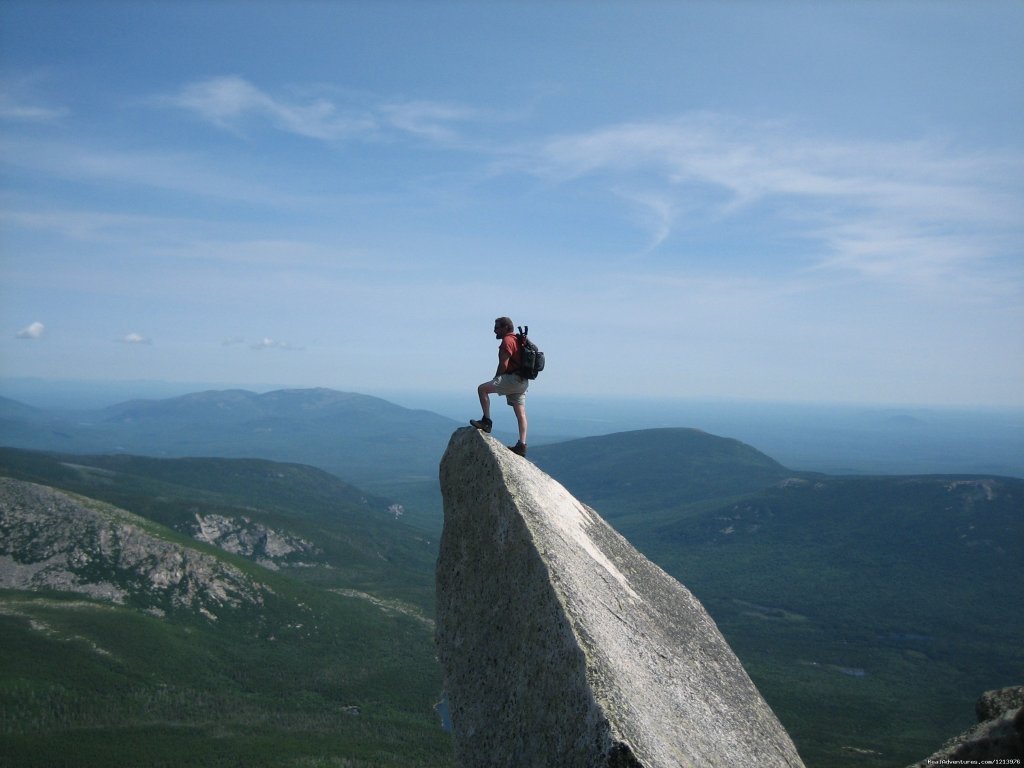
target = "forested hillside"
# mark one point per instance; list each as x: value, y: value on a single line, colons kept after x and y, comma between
x: 228, y: 612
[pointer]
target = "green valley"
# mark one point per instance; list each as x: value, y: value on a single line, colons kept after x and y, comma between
x: 316, y: 650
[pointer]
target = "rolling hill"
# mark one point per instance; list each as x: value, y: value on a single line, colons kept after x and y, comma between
x: 357, y: 437
x: 653, y: 469
x: 364, y: 440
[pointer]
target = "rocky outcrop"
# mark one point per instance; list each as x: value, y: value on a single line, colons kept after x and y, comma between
x: 54, y: 540
x: 563, y: 646
x: 243, y: 536
x: 998, y: 736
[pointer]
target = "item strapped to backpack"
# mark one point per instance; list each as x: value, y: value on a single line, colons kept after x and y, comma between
x: 531, y: 359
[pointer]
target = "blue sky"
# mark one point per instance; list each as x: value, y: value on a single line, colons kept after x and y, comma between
x: 779, y: 201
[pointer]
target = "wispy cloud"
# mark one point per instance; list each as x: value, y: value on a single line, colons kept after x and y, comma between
x: 655, y: 212
x: 265, y: 343
x: 93, y: 226
x: 28, y: 112
x: 232, y: 103
x: 226, y: 101
x: 431, y: 120
x: 174, y: 238
x: 20, y: 103
x: 32, y: 331
x: 915, y: 211
x: 180, y: 172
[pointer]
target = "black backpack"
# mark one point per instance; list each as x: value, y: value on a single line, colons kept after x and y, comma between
x: 531, y: 359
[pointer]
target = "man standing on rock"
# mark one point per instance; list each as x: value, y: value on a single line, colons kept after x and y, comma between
x: 505, y: 382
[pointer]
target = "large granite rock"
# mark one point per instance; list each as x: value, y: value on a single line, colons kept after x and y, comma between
x: 562, y: 646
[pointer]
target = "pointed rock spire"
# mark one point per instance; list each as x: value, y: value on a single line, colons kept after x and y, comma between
x: 563, y: 646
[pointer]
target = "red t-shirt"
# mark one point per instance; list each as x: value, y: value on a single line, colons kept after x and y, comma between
x: 510, y: 347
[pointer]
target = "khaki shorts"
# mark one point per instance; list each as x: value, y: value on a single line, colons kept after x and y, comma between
x: 512, y: 386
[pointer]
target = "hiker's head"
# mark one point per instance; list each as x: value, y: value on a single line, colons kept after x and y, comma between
x: 503, y: 326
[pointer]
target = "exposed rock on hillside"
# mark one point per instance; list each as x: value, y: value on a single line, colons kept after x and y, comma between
x: 999, y: 734
x: 54, y: 540
x: 242, y: 536
x: 562, y: 645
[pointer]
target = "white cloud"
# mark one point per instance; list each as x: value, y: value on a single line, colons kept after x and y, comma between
x: 915, y: 212
x: 180, y: 172
x: 225, y: 101
x: 135, y: 338
x: 229, y: 101
x: 19, y: 103
x: 268, y: 343
x: 431, y: 120
x: 32, y: 331
x: 28, y: 113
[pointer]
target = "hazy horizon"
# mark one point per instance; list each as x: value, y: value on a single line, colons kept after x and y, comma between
x: 827, y: 437
x: 65, y: 393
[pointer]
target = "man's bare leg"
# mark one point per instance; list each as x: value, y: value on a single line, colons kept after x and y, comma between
x: 520, y: 411
x: 485, y: 391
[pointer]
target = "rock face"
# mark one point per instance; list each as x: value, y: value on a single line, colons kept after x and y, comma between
x: 998, y: 736
x: 242, y: 536
x: 54, y: 540
x: 563, y: 646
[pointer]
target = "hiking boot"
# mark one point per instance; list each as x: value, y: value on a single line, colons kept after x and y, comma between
x: 519, y: 448
x: 483, y: 424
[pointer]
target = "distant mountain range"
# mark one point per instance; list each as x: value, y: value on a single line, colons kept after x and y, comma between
x: 357, y: 437
x: 364, y: 440
x: 871, y: 611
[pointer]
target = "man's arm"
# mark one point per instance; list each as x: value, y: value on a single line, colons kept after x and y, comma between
x: 503, y: 358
